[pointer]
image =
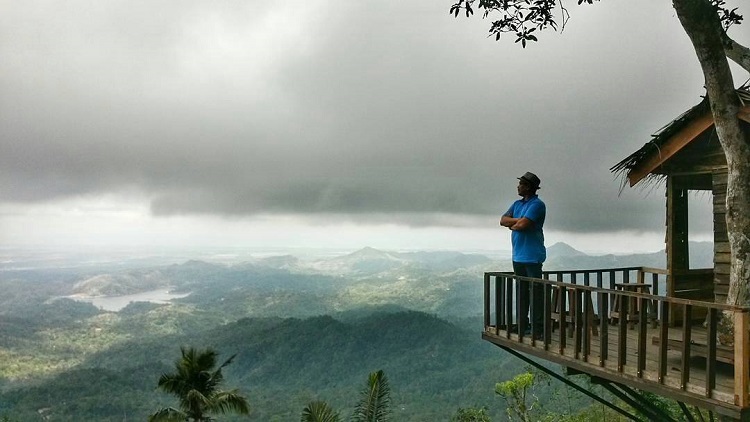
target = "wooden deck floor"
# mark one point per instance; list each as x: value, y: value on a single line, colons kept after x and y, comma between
x: 721, y: 399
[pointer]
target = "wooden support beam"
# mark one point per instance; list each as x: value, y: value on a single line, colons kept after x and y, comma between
x: 744, y: 114
x: 622, y: 333
x: 711, y: 324
x: 642, y: 328
x: 670, y: 147
x: 741, y: 358
x: 499, y: 317
x: 687, y: 312
x: 677, y: 226
x: 563, y: 328
x: 603, y: 301
x: 676, y: 143
x: 509, y: 305
x: 663, y: 342
x: 486, y: 300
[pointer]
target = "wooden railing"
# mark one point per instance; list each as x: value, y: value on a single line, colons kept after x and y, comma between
x: 582, y: 306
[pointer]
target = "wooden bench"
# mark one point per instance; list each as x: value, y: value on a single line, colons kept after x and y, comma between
x: 633, y: 305
x: 560, y: 310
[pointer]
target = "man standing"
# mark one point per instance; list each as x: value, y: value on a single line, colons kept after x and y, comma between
x: 525, y: 219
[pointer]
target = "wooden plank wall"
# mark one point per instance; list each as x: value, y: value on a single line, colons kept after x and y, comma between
x: 721, y: 241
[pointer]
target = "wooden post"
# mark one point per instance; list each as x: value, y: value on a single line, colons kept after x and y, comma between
x: 547, y: 315
x: 663, y: 340
x: 499, y: 314
x: 563, y: 328
x: 741, y: 356
x: 622, y: 334
x: 687, y: 312
x: 677, y: 225
x: 509, y: 304
x: 677, y: 235
x: 603, y: 302
x: 486, y: 300
x: 711, y: 324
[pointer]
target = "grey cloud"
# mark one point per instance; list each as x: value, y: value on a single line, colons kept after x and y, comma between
x: 372, y: 111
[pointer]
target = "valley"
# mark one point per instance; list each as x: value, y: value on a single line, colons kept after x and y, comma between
x: 302, y: 330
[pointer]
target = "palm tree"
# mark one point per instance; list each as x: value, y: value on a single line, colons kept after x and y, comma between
x: 196, y: 383
x: 374, y: 405
x: 319, y: 411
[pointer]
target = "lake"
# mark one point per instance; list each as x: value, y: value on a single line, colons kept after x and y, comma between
x: 116, y: 303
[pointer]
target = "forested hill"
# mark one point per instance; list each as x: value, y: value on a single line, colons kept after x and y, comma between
x: 434, y: 366
x: 302, y: 330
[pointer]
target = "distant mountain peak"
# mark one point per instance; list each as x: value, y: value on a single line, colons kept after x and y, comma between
x: 563, y: 249
x: 370, y: 252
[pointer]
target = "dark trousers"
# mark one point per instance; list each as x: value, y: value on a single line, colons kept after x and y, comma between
x: 535, y: 271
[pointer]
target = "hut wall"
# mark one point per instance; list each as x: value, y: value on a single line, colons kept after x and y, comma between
x: 721, y: 240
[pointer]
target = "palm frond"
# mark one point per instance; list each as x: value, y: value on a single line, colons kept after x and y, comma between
x: 196, y: 381
x: 319, y: 411
x: 374, y: 404
x: 167, y: 414
x: 229, y: 401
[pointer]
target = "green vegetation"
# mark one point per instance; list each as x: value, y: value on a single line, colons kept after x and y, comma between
x: 375, y: 400
x: 319, y: 411
x: 516, y: 392
x: 373, y: 406
x: 299, y: 339
x: 98, y: 367
x: 471, y: 415
x: 196, y: 383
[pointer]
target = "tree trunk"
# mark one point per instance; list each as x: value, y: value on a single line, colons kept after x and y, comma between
x: 702, y: 25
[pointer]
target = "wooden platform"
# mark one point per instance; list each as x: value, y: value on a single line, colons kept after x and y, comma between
x: 624, y: 369
x: 698, y: 346
x: 684, y: 363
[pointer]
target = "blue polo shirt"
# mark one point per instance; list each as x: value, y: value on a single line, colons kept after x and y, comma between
x: 528, y: 245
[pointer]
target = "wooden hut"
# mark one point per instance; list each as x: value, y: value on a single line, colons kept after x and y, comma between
x: 645, y: 329
x: 687, y: 155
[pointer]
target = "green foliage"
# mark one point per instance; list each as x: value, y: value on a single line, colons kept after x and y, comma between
x: 373, y: 406
x: 196, y: 383
x: 524, y: 18
x: 439, y: 366
x: 519, y: 395
x: 86, y: 364
x: 670, y: 407
x: 319, y: 411
x: 375, y: 400
x: 471, y: 414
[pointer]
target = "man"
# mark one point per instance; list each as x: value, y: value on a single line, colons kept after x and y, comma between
x: 525, y: 219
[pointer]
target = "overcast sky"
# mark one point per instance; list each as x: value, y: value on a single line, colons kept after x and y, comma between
x: 345, y: 124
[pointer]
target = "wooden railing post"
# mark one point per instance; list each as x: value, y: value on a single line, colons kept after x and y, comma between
x: 486, y: 300
x: 508, y: 304
x: 573, y: 308
x: 499, y: 315
x: 741, y: 356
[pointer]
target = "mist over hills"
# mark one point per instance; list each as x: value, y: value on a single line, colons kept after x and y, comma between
x: 562, y: 256
x: 446, y: 283
x: 302, y: 328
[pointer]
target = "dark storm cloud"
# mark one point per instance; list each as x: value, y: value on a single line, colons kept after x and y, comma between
x: 366, y: 111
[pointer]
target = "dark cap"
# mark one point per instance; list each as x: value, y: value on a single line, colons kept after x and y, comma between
x: 532, y: 179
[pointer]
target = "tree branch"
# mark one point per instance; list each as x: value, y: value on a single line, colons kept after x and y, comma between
x: 738, y: 53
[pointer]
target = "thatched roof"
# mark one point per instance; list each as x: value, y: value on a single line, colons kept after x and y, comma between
x: 673, y: 128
